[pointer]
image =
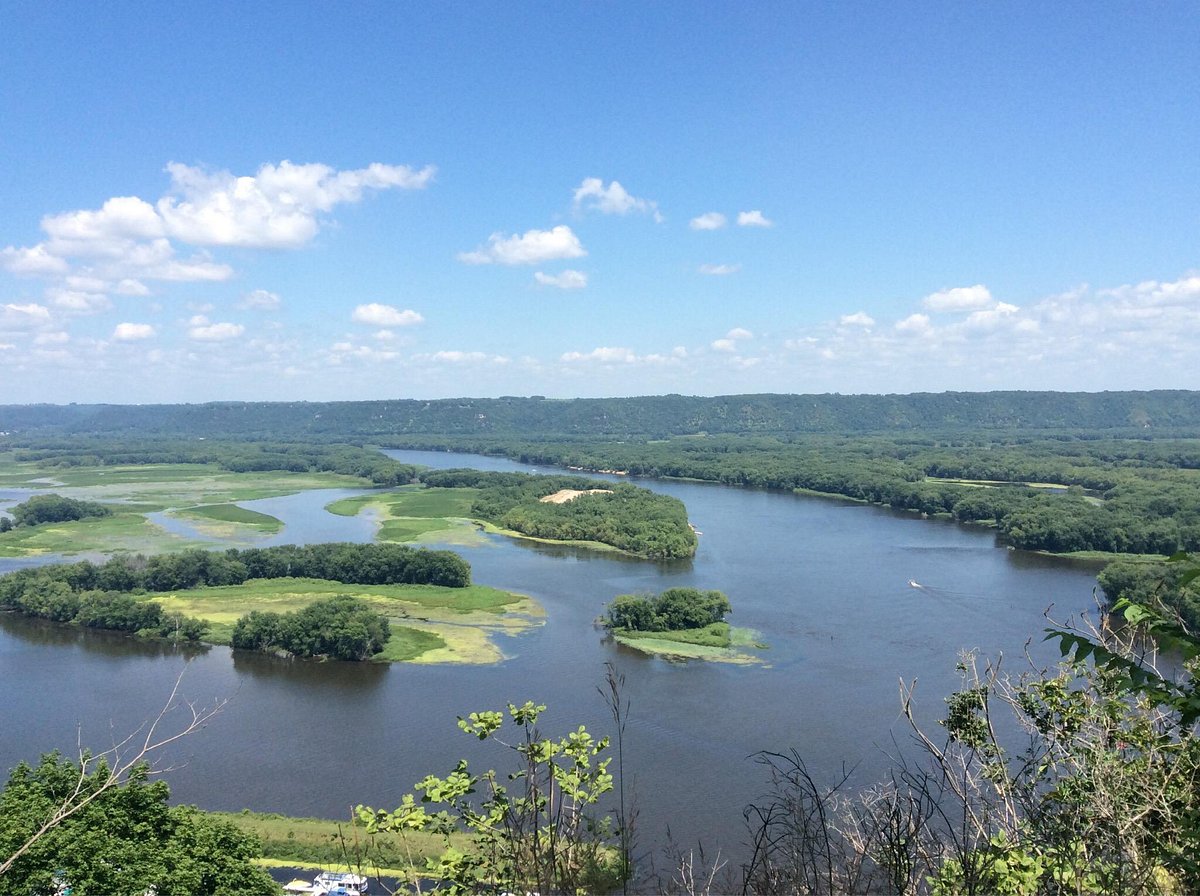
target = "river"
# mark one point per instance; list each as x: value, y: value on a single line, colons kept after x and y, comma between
x: 825, y: 582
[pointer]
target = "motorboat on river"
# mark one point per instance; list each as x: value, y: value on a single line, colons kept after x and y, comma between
x: 331, y: 883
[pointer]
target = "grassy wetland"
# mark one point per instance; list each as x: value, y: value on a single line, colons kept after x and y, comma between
x: 429, y: 623
x: 203, y: 495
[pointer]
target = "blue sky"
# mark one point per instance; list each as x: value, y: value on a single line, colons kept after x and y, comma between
x: 372, y: 200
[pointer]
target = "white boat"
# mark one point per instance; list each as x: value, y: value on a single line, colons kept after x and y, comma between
x: 331, y: 883
x: 339, y: 883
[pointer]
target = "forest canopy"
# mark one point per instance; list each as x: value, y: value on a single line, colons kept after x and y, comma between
x: 622, y: 515
x: 340, y: 628
x: 676, y: 609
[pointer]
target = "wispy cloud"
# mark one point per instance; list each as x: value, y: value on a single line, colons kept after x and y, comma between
x: 719, y: 270
x: 260, y: 300
x: 614, y: 199
x: 857, y: 319
x: 753, y: 218
x: 201, y: 330
x: 707, y: 221
x: 568, y: 279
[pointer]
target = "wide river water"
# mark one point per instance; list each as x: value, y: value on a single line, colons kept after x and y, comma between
x: 825, y: 582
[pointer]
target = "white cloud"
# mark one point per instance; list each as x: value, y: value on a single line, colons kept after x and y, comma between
x: 129, y: 240
x: 459, y: 357
x: 914, y: 324
x: 130, y: 332
x: 729, y: 343
x: 604, y: 355
x: 221, y: 332
x: 275, y: 208
x: 565, y: 280
x: 31, y: 261
x: 753, y: 219
x: 131, y: 287
x: 20, y: 317
x: 532, y: 247
x: 261, y: 300
x: 719, y: 270
x: 383, y: 335
x: 78, y: 300
x: 57, y: 337
x: 378, y: 315
x: 857, y: 319
x: 614, y: 199
x: 960, y: 298
x: 120, y: 218
x: 340, y: 352
x: 707, y: 221
x: 989, y: 318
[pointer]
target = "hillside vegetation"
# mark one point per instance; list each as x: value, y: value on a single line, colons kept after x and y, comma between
x: 650, y: 417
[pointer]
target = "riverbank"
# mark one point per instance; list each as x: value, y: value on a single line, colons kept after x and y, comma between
x: 323, y: 844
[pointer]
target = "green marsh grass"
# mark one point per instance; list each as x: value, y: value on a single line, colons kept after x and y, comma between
x: 430, y: 623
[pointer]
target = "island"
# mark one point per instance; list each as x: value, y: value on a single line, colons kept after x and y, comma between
x: 679, y: 624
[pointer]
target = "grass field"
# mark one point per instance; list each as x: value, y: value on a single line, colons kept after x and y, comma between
x: 430, y: 624
x: 234, y: 515
x: 324, y: 844
x: 718, y: 643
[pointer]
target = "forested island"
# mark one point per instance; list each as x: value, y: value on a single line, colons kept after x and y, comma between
x: 679, y: 623
x: 573, y: 508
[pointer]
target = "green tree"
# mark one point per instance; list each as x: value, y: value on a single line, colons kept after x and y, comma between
x: 124, y: 839
x: 537, y: 829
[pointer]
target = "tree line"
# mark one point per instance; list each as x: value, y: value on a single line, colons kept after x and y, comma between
x: 235, y: 456
x: 1114, y: 495
x: 650, y: 417
x: 621, y: 515
x: 109, y: 595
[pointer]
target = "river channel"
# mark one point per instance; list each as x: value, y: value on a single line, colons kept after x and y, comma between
x: 826, y: 583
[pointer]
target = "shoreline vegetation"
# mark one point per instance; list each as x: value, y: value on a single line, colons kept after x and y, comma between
x: 433, y: 611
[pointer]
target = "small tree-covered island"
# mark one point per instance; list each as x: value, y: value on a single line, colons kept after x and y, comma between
x: 680, y: 623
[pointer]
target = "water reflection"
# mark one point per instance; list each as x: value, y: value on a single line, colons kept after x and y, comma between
x: 44, y: 633
x: 315, y: 676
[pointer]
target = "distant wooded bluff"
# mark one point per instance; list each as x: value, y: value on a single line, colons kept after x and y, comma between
x: 1158, y: 412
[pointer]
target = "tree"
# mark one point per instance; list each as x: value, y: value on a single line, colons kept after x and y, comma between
x: 125, y: 839
x: 535, y: 830
x: 100, y: 825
